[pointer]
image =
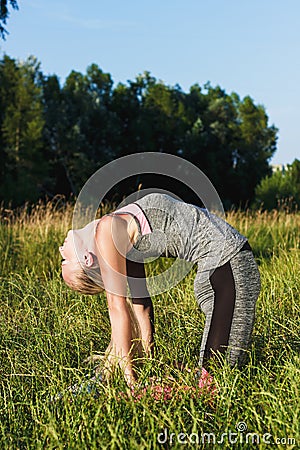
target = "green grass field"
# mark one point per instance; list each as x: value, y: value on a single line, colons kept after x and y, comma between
x: 47, y: 331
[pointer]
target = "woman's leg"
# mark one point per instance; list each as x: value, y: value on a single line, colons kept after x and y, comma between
x: 228, y: 300
x: 247, y: 284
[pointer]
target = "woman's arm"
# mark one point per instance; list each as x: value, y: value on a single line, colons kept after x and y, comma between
x: 112, y: 245
x: 142, y: 303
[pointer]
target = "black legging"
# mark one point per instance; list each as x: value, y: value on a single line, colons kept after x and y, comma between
x: 228, y: 300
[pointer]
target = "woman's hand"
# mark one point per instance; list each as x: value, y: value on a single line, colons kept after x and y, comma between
x: 121, y: 334
x: 112, y: 245
x: 142, y: 303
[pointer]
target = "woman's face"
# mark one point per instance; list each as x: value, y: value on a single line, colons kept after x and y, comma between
x: 70, y: 260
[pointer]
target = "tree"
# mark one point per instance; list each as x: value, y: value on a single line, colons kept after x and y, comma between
x: 282, y: 188
x: 24, y: 168
x: 79, y: 127
x: 4, y: 14
x: 163, y: 109
x: 255, y: 146
x: 53, y: 137
x: 229, y: 140
x: 127, y: 107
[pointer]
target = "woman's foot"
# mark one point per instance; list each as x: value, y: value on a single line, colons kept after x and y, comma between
x: 89, y: 386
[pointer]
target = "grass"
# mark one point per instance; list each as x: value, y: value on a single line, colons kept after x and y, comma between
x: 47, y: 331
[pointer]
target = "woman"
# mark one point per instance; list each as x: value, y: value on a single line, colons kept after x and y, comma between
x: 108, y: 253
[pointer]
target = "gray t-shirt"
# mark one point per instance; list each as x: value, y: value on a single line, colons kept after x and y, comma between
x: 185, y: 231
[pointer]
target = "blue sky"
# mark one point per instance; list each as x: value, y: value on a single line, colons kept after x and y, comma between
x: 251, y: 47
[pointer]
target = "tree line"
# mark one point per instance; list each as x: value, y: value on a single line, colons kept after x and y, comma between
x: 54, y: 136
x: 4, y: 15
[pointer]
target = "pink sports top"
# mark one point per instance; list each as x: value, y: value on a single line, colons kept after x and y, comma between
x: 137, y: 212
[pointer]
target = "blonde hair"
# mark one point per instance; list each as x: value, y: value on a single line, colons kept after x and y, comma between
x: 87, y: 281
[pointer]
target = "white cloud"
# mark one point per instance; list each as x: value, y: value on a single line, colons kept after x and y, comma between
x: 60, y: 12
x: 96, y: 24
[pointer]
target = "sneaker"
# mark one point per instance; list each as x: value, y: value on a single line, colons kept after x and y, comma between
x: 89, y: 386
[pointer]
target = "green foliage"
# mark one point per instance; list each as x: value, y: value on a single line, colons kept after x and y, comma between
x: 47, y: 331
x: 67, y: 132
x: 4, y: 14
x: 24, y: 168
x: 257, y: 144
x: 281, y: 188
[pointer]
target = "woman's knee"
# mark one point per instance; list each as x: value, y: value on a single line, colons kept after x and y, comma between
x: 204, y: 295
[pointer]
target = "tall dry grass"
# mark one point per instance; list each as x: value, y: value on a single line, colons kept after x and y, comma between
x: 47, y: 332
